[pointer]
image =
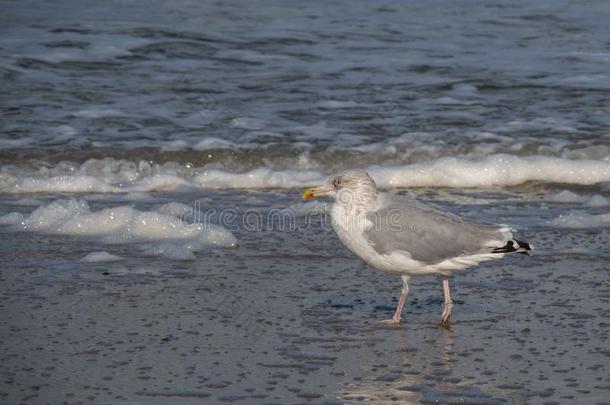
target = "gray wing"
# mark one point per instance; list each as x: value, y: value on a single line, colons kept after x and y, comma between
x: 430, y: 235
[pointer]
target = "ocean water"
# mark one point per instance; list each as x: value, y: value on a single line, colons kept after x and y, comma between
x: 155, y: 248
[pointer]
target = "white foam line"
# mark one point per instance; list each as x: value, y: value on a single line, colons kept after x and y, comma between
x: 110, y: 176
x: 495, y: 170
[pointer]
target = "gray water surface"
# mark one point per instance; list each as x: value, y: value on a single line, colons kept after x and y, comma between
x: 289, y: 317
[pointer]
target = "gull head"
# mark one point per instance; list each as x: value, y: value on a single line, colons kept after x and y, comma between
x: 349, y: 188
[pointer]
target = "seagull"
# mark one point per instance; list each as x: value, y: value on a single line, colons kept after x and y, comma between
x: 399, y: 235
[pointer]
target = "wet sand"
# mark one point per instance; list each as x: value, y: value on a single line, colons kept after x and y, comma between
x: 289, y: 317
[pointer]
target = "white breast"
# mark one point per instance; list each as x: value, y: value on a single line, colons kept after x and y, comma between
x: 350, y: 230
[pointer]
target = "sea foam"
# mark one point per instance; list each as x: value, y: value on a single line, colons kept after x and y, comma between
x: 495, y: 170
x: 122, y: 176
x: 162, y: 233
x: 570, y: 197
x: 581, y: 220
x: 100, y: 257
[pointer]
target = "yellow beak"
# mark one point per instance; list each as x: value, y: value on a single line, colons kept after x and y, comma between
x: 311, y: 193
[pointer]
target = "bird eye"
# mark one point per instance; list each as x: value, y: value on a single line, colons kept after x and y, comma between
x: 337, y: 182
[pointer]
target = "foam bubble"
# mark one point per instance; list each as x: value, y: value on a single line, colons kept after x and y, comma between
x: 581, y: 220
x: 257, y: 178
x: 598, y: 201
x: 567, y: 196
x: 12, y: 219
x: 213, y: 143
x: 176, y: 146
x: 99, y: 257
x: 121, y: 224
x: 63, y: 184
x: 171, y: 251
x: 248, y: 123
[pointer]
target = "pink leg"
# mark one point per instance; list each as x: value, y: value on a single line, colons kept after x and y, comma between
x: 401, y: 303
x: 448, y: 307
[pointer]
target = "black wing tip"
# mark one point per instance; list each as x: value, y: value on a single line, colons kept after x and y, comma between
x: 516, y: 246
x: 524, y: 245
